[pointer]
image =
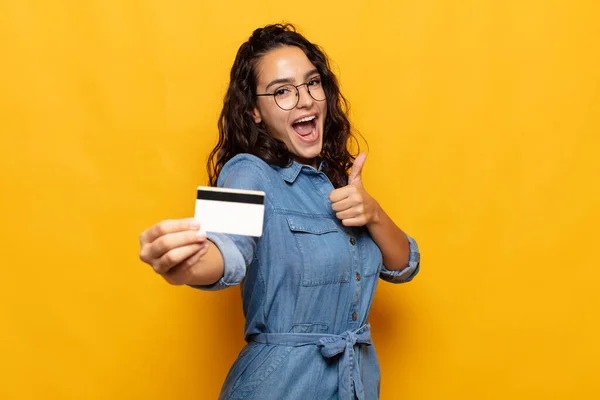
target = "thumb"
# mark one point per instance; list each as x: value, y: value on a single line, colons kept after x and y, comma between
x: 357, y: 167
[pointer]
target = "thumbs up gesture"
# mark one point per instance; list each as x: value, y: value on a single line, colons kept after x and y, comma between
x: 352, y: 204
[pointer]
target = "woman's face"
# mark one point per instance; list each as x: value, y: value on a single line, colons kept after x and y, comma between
x: 300, y: 128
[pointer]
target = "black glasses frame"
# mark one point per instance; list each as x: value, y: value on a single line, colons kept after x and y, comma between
x: 297, y: 94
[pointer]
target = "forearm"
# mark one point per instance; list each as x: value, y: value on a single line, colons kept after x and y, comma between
x: 392, y: 241
x: 208, y: 269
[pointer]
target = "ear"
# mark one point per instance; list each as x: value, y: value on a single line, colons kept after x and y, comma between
x: 256, y: 115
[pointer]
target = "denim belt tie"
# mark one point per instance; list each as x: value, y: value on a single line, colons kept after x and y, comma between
x: 330, y: 346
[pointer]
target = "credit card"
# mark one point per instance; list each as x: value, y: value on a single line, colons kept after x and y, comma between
x: 234, y: 211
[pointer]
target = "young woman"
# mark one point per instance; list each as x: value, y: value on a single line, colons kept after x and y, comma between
x: 309, y: 281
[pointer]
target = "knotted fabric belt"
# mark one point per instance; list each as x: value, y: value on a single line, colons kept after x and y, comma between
x: 330, y: 346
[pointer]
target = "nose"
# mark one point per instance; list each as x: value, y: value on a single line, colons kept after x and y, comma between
x: 305, y: 100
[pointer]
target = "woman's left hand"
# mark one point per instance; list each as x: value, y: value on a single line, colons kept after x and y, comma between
x: 352, y: 204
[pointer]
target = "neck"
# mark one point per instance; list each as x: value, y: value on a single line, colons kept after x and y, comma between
x: 307, y: 161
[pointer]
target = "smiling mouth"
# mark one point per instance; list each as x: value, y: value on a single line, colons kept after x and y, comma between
x: 306, y: 127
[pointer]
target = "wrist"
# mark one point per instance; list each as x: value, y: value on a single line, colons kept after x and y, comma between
x: 377, y: 214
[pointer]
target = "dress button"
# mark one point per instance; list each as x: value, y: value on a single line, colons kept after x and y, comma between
x: 352, y: 241
x: 354, y: 316
x: 358, y: 276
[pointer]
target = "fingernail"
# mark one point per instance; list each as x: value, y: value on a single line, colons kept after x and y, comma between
x: 194, y: 224
x: 201, y: 234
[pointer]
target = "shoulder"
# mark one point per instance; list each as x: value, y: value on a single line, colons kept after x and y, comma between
x: 245, y: 160
x: 246, y: 170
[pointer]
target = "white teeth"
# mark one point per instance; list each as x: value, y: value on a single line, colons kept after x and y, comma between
x: 305, y: 119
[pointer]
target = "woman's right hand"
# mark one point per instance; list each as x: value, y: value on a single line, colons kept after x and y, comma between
x: 172, y: 247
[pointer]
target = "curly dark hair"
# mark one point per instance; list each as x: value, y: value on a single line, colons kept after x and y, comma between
x: 238, y: 133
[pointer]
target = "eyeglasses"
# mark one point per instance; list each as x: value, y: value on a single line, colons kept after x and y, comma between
x: 288, y: 96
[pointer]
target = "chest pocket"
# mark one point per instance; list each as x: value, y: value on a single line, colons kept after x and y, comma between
x: 324, y: 253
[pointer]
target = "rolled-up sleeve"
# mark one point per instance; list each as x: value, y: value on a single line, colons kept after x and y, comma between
x: 241, y: 172
x: 408, y: 273
x: 237, y: 252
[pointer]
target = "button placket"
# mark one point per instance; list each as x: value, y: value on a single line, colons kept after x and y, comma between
x: 357, y: 283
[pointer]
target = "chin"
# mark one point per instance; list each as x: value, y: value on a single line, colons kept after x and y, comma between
x: 310, y: 154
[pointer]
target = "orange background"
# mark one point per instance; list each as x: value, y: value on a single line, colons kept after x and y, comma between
x: 482, y: 120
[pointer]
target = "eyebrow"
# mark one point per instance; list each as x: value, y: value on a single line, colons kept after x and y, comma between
x: 290, y: 80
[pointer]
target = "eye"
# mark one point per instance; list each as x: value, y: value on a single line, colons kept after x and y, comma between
x: 282, y: 91
x: 314, y: 82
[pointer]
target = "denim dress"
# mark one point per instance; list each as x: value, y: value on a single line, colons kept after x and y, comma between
x: 307, y: 287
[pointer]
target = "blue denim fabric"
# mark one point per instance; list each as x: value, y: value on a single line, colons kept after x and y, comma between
x: 307, y: 288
